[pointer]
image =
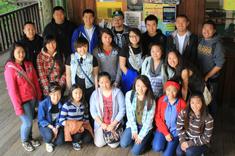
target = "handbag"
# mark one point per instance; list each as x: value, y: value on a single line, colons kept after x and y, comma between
x: 113, y: 136
x: 207, y: 95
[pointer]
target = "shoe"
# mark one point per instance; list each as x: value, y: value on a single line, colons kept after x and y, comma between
x: 35, y: 143
x: 28, y: 146
x: 49, y: 147
x: 76, y: 146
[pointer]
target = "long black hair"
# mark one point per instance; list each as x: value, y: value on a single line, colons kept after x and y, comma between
x: 12, y: 57
x: 109, y: 32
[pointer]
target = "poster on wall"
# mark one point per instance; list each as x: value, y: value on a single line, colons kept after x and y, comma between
x: 104, y: 12
x: 133, y: 19
x: 171, y: 1
x: 135, y: 5
x: 229, y: 4
x: 153, y: 1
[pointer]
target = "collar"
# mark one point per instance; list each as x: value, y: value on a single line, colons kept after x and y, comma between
x: 50, y: 104
x: 167, y: 101
x: 45, y: 53
x: 174, y: 34
x: 78, y: 56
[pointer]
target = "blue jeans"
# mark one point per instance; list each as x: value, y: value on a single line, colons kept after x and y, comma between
x: 48, y: 135
x: 161, y: 144
x: 27, y: 120
x: 191, y: 151
x: 126, y: 140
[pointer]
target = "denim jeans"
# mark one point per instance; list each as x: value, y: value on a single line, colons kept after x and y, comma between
x: 126, y: 140
x: 27, y: 120
x: 161, y: 144
x: 48, y: 135
x: 84, y: 136
x: 213, y: 86
x: 191, y: 151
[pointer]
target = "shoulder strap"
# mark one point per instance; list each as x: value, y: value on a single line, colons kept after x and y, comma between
x: 84, y: 73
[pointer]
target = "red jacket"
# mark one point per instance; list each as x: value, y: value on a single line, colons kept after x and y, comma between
x: 160, y: 114
x: 19, y: 89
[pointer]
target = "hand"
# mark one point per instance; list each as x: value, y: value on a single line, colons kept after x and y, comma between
x: 206, y: 78
x: 138, y: 140
x: 55, y: 131
x: 110, y: 127
x: 115, y: 84
x: 184, y: 146
x: 168, y: 137
x: 134, y: 136
x: 104, y: 126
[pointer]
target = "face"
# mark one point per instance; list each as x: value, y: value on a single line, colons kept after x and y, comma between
x: 156, y: 52
x: 172, y: 60
x: 134, y: 38
x: 140, y: 87
x: 82, y: 50
x: 59, y: 17
x: 104, y: 83
x: 208, y: 31
x: 19, y: 54
x: 171, y: 92
x: 118, y: 21
x: 151, y: 27
x: 51, y: 47
x: 106, y: 39
x: 77, y: 94
x: 29, y: 31
x: 181, y: 24
x: 196, y: 104
x: 55, y: 97
x: 88, y: 19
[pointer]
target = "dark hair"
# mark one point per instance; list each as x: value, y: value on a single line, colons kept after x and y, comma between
x: 81, y: 41
x: 109, y: 32
x: 29, y: 22
x: 76, y: 86
x: 47, y: 39
x: 182, y: 16
x: 210, y: 22
x: 158, y: 45
x: 58, y: 8
x: 203, y: 112
x: 137, y: 32
x: 54, y: 86
x: 88, y: 11
x: 151, y: 18
x: 16, y: 44
x: 149, y: 93
x: 104, y: 74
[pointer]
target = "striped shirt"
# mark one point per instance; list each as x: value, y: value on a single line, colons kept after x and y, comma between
x: 198, y: 133
x: 72, y: 111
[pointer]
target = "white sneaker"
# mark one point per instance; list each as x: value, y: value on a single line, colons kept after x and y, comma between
x: 49, y: 147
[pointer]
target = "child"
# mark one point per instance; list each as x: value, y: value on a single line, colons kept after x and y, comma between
x: 168, y: 107
x: 74, y: 113
x: 88, y: 30
x: 48, y: 118
x: 140, y: 109
x: 194, y: 126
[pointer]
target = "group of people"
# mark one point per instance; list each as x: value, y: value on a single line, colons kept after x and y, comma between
x: 116, y: 86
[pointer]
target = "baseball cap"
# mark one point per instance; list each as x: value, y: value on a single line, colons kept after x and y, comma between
x: 118, y: 13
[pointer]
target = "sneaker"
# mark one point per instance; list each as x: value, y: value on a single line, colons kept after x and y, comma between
x: 49, y: 147
x: 76, y: 146
x: 28, y: 146
x: 35, y: 143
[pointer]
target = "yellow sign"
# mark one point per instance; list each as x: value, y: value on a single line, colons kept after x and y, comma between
x: 105, y: 9
x: 229, y: 4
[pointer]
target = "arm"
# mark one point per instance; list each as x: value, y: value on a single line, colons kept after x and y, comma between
x: 121, y: 106
x: 95, y: 75
x: 42, y: 75
x: 36, y: 83
x: 212, y: 72
x: 63, y: 114
x: 74, y: 39
x: 181, y: 127
x: 122, y: 63
x: 185, y: 78
x: 68, y: 76
x: 42, y: 110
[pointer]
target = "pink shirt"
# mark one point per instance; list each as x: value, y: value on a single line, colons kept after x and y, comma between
x: 108, y: 109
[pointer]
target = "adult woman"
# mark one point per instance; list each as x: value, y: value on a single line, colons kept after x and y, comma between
x: 50, y: 65
x: 184, y: 72
x: 107, y: 55
x: 107, y: 107
x: 24, y: 91
x: 130, y: 59
x: 140, y: 109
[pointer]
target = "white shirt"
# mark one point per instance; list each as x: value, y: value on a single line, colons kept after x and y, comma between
x: 181, y: 42
x: 89, y: 33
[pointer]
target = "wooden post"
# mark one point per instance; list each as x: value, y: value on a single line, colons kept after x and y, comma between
x: 45, y: 8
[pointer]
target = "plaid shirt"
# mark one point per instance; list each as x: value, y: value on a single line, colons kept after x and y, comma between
x: 44, y: 65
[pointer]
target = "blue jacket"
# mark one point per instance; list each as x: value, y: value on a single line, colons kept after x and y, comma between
x: 44, y: 113
x: 80, y: 32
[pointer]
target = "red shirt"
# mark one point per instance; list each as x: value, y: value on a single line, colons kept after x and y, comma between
x: 108, y: 109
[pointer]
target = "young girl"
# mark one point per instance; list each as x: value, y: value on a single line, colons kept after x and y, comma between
x: 194, y: 126
x: 154, y: 69
x: 107, y: 107
x: 140, y: 109
x: 107, y: 55
x: 130, y: 59
x: 48, y: 118
x: 75, y: 113
x: 168, y: 107
x: 24, y: 91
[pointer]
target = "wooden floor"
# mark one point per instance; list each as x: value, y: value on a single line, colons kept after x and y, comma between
x: 223, y: 143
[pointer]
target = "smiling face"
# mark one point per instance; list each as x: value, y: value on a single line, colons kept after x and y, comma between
x: 134, y: 38
x: 88, y: 20
x: 55, y: 97
x: 118, y: 21
x: 77, y: 95
x: 19, y: 54
x: 51, y: 47
x: 196, y: 105
x: 82, y: 50
x: 140, y: 87
x: 29, y: 31
x: 156, y: 52
x: 181, y: 24
x: 106, y: 39
x: 59, y: 17
x: 172, y: 60
x: 208, y: 31
x: 171, y: 92
x: 105, y: 83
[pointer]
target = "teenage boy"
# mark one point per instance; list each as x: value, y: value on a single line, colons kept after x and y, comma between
x: 62, y: 30
x: 183, y: 40
x: 211, y: 60
x: 88, y: 30
x: 32, y: 42
x: 152, y: 35
x: 119, y: 29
